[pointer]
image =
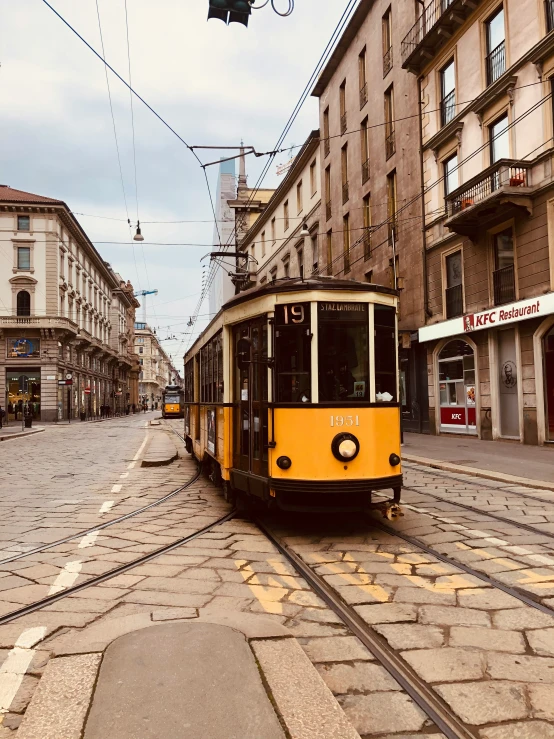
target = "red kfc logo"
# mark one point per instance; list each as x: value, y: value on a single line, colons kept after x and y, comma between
x: 469, y: 323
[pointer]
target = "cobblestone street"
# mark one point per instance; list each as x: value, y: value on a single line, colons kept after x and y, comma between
x: 463, y: 600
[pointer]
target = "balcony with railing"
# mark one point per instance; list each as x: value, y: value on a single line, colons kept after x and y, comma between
x: 436, y: 24
x: 549, y: 8
x: 54, y: 322
x: 363, y: 95
x: 343, y: 123
x: 454, y: 301
x: 387, y: 61
x: 491, y: 195
x: 448, y: 107
x: 345, y: 194
x: 504, y: 284
x: 365, y: 171
x: 328, y: 210
x: 496, y: 63
x: 390, y: 145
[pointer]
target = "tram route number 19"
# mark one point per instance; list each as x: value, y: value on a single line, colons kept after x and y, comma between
x: 345, y: 421
x: 296, y: 314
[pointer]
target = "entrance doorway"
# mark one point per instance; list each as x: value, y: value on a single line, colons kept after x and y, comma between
x: 22, y: 393
x: 508, y: 390
x: 251, y: 422
x: 549, y: 383
x: 458, y: 398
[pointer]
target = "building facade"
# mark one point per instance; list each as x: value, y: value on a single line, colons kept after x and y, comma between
x: 156, y: 370
x: 274, y: 243
x: 485, y: 71
x: 65, y: 316
x: 371, y: 216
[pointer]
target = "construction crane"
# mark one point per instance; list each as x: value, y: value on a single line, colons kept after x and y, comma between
x: 143, y: 294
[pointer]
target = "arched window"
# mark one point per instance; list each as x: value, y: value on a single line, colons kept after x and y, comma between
x: 23, y: 303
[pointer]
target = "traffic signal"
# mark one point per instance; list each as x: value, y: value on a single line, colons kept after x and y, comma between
x: 230, y: 11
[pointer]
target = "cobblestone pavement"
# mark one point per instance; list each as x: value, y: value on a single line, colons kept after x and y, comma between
x: 489, y: 656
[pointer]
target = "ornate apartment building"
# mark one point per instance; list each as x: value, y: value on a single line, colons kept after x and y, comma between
x: 283, y: 240
x: 156, y: 370
x: 65, y: 316
x: 485, y: 72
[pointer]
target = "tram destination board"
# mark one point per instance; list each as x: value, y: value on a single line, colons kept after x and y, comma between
x: 332, y: 311
x: 292, y: 314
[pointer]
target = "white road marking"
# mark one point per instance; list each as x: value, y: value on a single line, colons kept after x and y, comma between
x: 497, y: 542
x: 67, y: 577
x: 16, y: 664
x: 131, y: 465
x: 106, y: 505
x: 116, y: 488
x: 88, y: 540
x: 125, y: 474
x: 542, y: 559
x: 141, y: 447
x: 518, y: 550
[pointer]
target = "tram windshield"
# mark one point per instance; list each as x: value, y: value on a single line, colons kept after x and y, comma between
x: 171, y: 398
x: 343, y: 351
x: 292, y: 345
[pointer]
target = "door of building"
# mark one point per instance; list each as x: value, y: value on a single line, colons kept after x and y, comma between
x: 457, y: 388
x: 508, y: 384
x: 549, y: 383
x: 251, y: 401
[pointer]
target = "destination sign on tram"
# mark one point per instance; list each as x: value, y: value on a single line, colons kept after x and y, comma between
x: 332, y: 311
x: 292, y: 314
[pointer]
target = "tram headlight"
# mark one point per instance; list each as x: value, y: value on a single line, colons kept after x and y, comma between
x: 284, y: 463
x: 394, y: 460
x: 345, y: 447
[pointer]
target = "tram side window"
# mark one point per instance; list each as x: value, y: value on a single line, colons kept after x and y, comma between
x: 189, y: 381
x: 211, y: 371
x: 343, y: 351
x: 293, y: 366
x: 385, y: 354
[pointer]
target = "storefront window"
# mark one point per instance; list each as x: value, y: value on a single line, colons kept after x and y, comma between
x: 549, y: 383
x: 343, y: 351
x: 23, y: 393
x: 457, y: 389
x: 23, y: 348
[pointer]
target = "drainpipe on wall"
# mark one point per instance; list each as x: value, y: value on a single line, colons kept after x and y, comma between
x: 427, y: 312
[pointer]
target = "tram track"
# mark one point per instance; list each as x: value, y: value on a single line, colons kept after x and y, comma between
x: 419, y: 691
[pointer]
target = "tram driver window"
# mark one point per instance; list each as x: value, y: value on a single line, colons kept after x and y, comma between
x: 293, y: 339
x: 343, y: 351
x: 385, y: 354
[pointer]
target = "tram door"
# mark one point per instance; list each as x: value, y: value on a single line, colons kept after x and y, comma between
x: 250, y: 406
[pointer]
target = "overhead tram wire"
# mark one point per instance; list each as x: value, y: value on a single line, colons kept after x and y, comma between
x: 115, y: 133
x: 136, y: 94
x: 322, y: 60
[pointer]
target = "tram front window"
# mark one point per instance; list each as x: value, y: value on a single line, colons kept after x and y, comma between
x: 343, y: 351
x: 385, y: 353
x: 292, y: 353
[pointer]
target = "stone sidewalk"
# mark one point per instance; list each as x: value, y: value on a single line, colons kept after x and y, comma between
x: 496, y: 459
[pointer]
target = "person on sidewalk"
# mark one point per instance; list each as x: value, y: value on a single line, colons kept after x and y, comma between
x: 2, y: 414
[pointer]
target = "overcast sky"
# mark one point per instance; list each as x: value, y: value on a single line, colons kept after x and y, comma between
x: 212, y: 83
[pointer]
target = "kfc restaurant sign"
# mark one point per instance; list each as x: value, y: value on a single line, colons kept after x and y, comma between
x: 501, y: 316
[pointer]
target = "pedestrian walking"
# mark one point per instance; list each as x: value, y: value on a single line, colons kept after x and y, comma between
x: 2, y: 414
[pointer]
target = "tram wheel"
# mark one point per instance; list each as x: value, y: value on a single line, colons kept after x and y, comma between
x: 215, y: 473
x: 188, y: 445
x: 228, y: 492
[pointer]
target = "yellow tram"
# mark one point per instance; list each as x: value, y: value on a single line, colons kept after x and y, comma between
x: 172, y: 402
x: 291, y: 396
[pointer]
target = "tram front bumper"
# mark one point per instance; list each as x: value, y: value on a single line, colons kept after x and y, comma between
x: 331, y: 495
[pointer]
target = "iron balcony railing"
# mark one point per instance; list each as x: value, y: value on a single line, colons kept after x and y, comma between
x: 430, y: 16
x: 365, y: 171
x: 390, y: 145
x: 343, y: 123
x: 448, y: 107
x: 549, y: 5
x: 366, y: 238
x: 344, y: 192
x: 328, y: 210
x: 387, y: 61
x: 496, y: 63
x: 454, y: 301
x: 504, y: 285
x: 505, y: 173
x: 363, y: 95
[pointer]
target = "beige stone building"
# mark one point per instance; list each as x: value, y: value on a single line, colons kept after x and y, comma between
x: 371, y: 217
x: 485, y: 70
x: 64, y: 313
x: 274, y: 242
x: 156, y: 370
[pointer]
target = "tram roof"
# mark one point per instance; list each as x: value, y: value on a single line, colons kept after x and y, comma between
x: 296, y: 284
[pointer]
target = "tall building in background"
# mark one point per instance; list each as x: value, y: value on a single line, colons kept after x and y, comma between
x: 222, y: 288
